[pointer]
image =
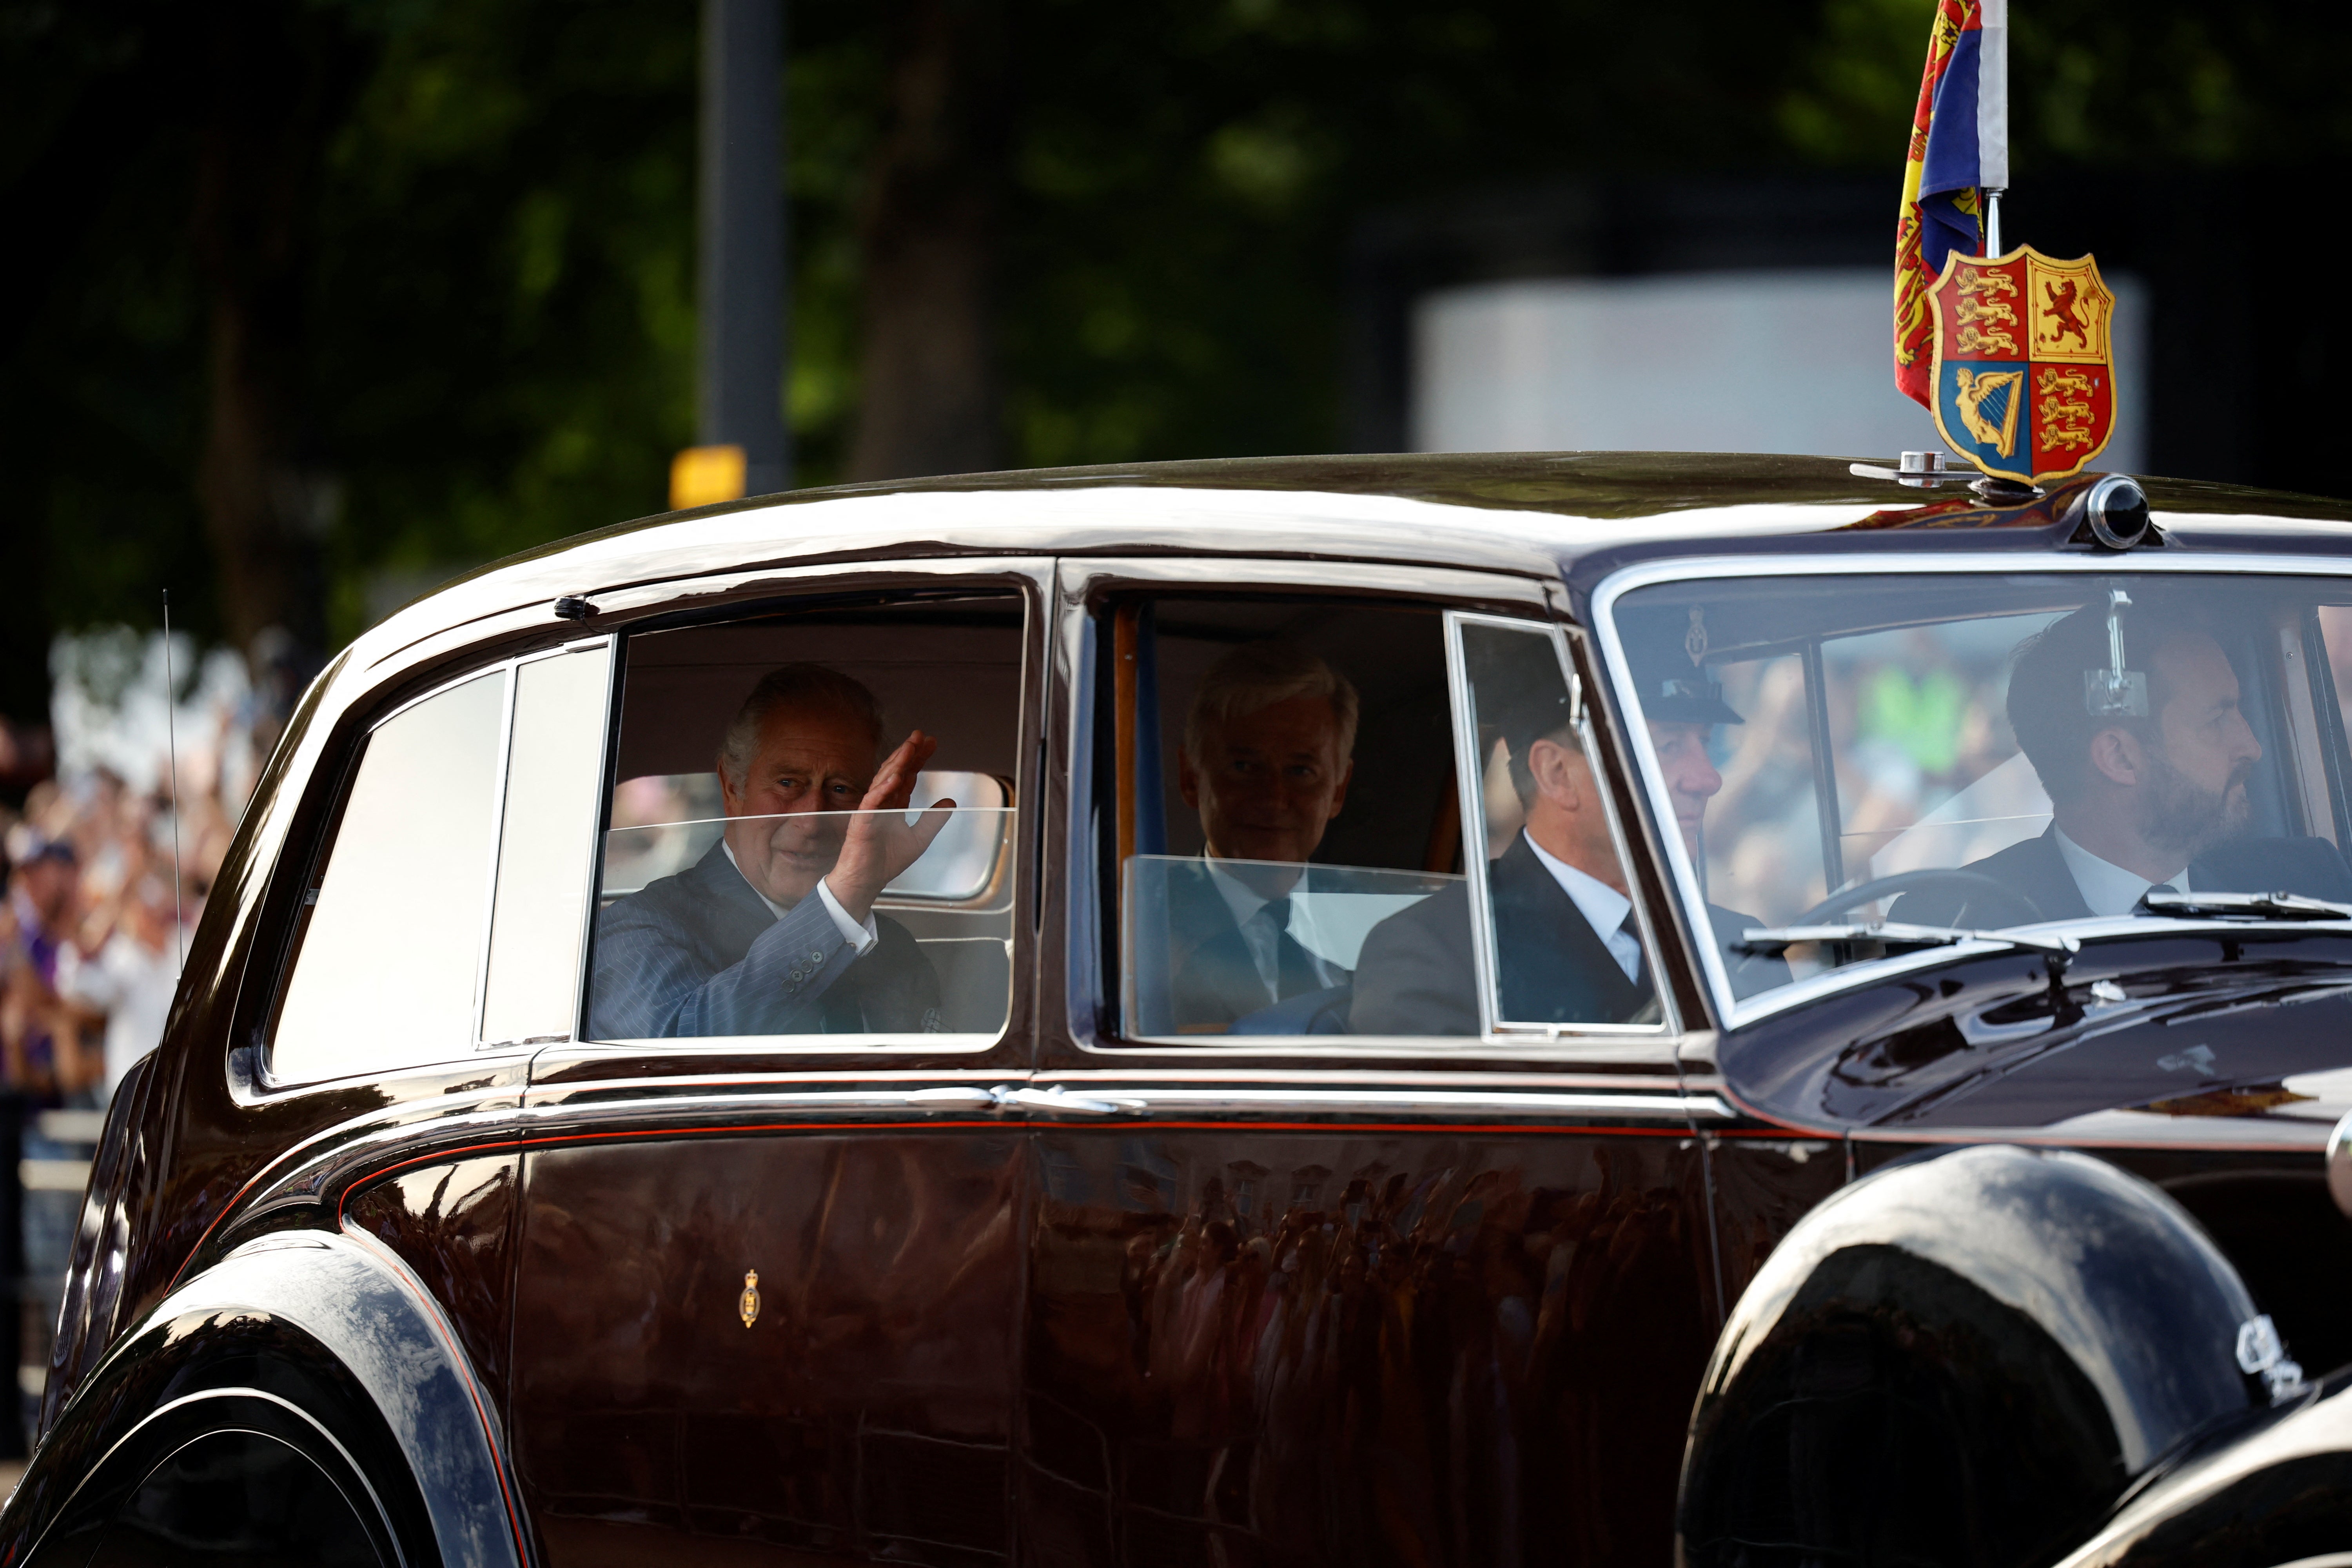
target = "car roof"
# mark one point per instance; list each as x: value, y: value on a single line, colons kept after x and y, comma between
x: 1573, y: 515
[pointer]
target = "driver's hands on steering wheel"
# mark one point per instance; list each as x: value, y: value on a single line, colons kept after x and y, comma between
x: 880, y: 843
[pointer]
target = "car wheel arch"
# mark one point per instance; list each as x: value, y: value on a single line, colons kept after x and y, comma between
x: 336, y: 1327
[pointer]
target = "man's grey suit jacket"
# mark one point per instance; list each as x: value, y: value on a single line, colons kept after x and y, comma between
x: 698, y: 953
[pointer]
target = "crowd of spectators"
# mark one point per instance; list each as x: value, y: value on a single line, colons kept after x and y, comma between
x: 106, y: 876
x: 107, y: 856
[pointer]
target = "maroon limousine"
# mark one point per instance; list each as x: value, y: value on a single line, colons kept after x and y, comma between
x: 1487, y: 1010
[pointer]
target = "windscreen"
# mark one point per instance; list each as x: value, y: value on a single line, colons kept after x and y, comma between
x: 1986, y: 751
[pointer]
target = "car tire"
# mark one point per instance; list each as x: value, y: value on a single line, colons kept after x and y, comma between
x: 228, y: 1476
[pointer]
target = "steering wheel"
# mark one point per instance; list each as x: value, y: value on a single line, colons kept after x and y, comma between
x: 1990, y: 902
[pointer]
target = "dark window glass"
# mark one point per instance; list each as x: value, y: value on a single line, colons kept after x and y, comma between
x: 1285, y: 793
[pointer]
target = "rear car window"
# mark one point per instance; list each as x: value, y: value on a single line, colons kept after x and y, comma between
x: 392, y: 930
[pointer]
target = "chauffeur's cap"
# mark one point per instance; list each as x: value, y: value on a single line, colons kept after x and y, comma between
x: 1667, y: 651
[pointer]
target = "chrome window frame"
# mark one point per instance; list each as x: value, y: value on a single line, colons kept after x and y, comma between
x: 264, y: 1074
x: 1470, y: 771
x: 1618, y: 675
x: 591, y: 852
x: 1079, y: 580
x: 716, y: 601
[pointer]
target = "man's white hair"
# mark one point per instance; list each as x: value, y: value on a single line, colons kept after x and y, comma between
x: 1258, y: 675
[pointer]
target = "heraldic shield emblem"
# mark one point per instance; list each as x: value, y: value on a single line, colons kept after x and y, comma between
x: 2024, y: 385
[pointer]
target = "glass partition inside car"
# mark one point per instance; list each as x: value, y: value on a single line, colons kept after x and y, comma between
x: 811, y: 828
x: 1864, y: 765
x: 1298, y: 854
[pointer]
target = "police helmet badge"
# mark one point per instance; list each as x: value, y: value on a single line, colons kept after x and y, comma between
x: 2022, y: 371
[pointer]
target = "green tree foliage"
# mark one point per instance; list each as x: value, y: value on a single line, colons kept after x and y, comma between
x: 493, y: 227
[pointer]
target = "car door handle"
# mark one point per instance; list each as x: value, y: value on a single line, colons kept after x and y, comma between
x: 1004, y: 1096
x: 1057, y: 1098
x: 974, y: 1098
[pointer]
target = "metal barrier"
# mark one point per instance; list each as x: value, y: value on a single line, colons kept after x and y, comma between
x: 32, y: 1338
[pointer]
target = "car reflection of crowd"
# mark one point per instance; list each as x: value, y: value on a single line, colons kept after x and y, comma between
x: 1286, y: 1355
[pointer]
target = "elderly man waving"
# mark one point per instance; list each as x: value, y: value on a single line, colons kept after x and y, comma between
x: 772, y: 931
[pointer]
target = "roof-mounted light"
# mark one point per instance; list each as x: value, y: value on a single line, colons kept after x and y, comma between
x: 2115, y: 511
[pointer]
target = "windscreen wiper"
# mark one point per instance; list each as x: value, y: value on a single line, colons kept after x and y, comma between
x: 2243, y: 906
x: 1900, y: 934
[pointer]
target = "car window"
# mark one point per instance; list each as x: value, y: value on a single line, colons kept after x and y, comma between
x: 390, y: 943
x: 1285, y: 812
x: 554, y: 766
x: 1984, y: 750
x: 745, y: 887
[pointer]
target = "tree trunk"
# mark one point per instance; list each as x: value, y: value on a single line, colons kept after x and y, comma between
x: 274, y: 79
x: 931, y: 400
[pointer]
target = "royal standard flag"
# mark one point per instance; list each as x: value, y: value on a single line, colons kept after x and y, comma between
x: 1959, y: 149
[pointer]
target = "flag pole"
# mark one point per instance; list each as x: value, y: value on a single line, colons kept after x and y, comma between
x: 1993, y: 116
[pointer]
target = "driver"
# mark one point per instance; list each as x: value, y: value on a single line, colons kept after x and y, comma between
x: 774, y: 932
x: 2141, y: 802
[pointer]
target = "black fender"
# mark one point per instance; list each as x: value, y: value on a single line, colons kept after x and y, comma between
x: 341, y: 1338
x: 1968, y: 1360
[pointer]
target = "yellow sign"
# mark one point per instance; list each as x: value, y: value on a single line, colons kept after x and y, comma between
x: 701, y: 476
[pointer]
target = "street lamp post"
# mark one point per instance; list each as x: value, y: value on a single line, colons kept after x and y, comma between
x: 742, y: 445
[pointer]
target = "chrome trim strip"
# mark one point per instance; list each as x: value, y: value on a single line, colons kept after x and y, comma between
x: 1470, y: 777
x: 304, y: 1176
x: 1672, y: 1107
x: 878, y: 1045
x: 1664, y: 1079
x: 1632, y: 1044
x: 1470, y: 773
x: 631, y: 1096
x: 1696, y: 568
x: 537, y: 1121
x: 593, y: 859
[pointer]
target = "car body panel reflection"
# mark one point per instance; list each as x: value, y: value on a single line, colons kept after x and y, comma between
x: 1276, y: 1346
x: 864, y: 1410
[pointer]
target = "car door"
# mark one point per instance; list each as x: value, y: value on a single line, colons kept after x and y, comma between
x: 1301, y: 1292
x: 767, y: 1282
x: 427, y: 952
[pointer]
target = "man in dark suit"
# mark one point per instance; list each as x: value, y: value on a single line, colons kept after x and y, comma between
x: 2147, y: 769
x: 1568, y: 949
x: 772, y: 931
x: 1268, y: 755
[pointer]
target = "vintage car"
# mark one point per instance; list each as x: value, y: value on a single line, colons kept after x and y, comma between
x: 1432, y: 1010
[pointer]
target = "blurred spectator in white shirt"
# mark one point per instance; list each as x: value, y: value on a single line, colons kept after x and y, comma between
x: 131, y: 977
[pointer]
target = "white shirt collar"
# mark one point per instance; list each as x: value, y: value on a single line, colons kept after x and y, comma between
x: 1242, y: 898
x: 2106, y: 887
x: 860, y: 937
x: 774, y: 908
x: 1601, y: 904
x: 1245, y: 901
